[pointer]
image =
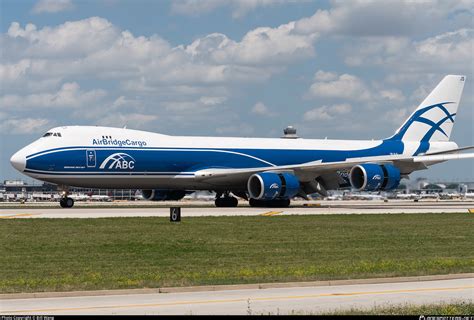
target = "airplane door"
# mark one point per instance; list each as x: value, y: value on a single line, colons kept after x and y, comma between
x: 91, y: 160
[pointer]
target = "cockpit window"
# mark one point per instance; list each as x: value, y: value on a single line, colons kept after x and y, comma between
x: 54, y: 134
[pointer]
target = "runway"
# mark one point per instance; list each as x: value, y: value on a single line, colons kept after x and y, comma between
x: 301, y: 300
x: 205, y: 208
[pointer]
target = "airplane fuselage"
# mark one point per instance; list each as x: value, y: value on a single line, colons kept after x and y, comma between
x: 103, y: 157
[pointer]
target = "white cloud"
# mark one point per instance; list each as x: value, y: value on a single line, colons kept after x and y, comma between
x: 446, y: 52
x: 325, y: 76
x: 72, y: 39
x: 52, y: 6
x: 263, y: 46
x: 398, y: 116
x: 372, y: 50
x: 327, y: 112
x: 131, y: 120
x: 239, y: 7
x: 449, y: 48
x: 345, y: 86
x: 392, y: 94
x: 203, y: 104
x: 24, y: 125
x: 125, y: 103
x: 152, y: 75
x: 68, y: 96
x: 240, y: 130
x: 94, y: 47
x: 349, y: 87
x: 212, y: 101
x: 14, y: 71
x: 385, y: 18
x: 261, y: 109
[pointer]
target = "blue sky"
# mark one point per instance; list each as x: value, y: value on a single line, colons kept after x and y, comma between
x: 336, y: 69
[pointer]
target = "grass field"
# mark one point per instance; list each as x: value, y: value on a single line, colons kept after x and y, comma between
x: 86, y: 254
x: 441, y: 309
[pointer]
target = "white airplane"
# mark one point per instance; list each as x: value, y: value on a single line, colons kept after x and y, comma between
x: 468, y: 195
x: 407, y: 196
x: 200, y: 195
x: 96, y: 197
x: 428, y: 196
x: 80, y: 197
x: 267, y: 172
x: 365, y: 196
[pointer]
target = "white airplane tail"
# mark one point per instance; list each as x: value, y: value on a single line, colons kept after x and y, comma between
x: 433, y: 120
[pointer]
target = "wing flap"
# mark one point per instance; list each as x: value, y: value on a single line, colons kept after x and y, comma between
x: 442, y: 157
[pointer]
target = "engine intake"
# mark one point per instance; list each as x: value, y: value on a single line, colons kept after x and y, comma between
x: 273, y: 185
x: 373, y: 177
x: 163, y: 195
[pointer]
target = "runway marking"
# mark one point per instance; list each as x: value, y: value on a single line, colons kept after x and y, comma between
x: 270, y: 213
x: 311, y: 205
x: 19, y: 215
x: 148, y: 305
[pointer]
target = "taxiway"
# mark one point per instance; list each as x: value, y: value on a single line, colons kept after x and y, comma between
x: 205, y: 208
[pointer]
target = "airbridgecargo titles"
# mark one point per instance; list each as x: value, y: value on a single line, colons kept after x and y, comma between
x: 115, y: 142
x: 266, y: 172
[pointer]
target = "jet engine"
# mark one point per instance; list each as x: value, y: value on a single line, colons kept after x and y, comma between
x: 163, y: 195
x: 273, y: 185
x: 373, y: 177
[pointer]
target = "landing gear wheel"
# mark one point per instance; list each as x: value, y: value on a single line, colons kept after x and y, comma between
x: 284, y: 203
x: 66, y: 202
x: 278, y: 203
x: 228, y: 202
x: 256, y: 203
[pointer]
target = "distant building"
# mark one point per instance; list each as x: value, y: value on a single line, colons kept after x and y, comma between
x: 22, y: 186
x: 14, y: 183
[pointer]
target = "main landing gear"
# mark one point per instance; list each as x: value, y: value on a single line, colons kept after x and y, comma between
x: 65, y: 201
x: 226, y: 201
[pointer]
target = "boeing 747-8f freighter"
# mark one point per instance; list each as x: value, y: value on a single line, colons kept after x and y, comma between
x: 267, y: 172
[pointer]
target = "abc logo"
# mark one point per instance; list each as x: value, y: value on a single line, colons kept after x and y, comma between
x: 121, y: 161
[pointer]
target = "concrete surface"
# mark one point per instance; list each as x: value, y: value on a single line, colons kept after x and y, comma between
x: 252, y: 301
x: 203, y: 208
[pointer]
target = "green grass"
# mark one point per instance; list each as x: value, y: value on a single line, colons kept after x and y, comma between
x: 86, y: 254
x: 458, y: 308
x: 437, y: 309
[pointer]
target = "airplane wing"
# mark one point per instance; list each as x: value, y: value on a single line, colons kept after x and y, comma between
x: 310, y: 170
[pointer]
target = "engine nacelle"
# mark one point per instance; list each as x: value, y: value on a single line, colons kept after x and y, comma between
x: 273, y: 185
x: 373, y: 177
x: 163, y: 195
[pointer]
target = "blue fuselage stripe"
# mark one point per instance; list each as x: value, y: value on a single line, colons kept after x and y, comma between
x: 175, y: 161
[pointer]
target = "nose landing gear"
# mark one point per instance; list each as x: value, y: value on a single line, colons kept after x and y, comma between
x: 65, y: 201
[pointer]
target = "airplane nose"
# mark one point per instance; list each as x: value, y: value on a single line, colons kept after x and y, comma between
x: 18, y: 161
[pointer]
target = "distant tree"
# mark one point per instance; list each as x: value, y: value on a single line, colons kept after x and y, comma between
x: 432, y: 186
